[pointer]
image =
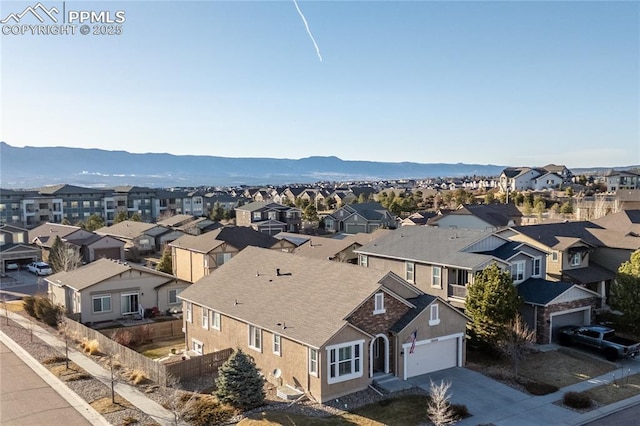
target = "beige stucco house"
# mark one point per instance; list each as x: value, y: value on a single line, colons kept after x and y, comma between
x: 324, y: 328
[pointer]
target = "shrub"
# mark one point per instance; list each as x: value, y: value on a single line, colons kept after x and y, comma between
x: 92, y: 347
x: 205, y: 410
x: 459, y: 411
x: 577, y: 400
x: 30, y: 305
x: 123, y: 337
x: 54, y: 360
x: 536, y: 388
x: 137, y: 377
x: 142, y: 335
x: 129, y: 421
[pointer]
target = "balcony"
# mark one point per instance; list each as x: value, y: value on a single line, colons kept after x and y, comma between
x: 458, y: 291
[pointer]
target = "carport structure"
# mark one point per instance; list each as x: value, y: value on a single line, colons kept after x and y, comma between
x: 550, y: 305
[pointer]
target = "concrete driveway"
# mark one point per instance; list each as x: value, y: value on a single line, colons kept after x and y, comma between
x: 490, y: 401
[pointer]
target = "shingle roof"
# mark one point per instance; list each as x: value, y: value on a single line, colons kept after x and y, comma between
x: 51, y: 230
x: 323, y: 248
x: 506, y: 251
x: 590, y: 274
x: 311, y: 297
x: 549, y: 233
x: 127, y: 229
x: 497, y: 215
x: 176, y: 220
x: 540, y: 291
x: 420, y: 302
x: 237, y: 236
x: 90, y: 274
x: 296, y: 239
x: 429, y: 245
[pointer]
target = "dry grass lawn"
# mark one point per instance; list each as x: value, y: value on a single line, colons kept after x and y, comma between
x: 74, y: 372
x: 616, y: 391
x: 160, y: 348
x: 15, y: 306
x: 559, y: 368
x: 105, y: 405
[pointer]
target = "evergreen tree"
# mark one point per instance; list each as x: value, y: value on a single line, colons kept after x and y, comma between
x: 217, y: 213
x: 625, y: 293
x: 136, y: 217
x: 310, y: 213
x: 566, y: 208
x: 55, y: 254
x: 65, y: 221
x: 121, y: 216
x: 239, y: 382
x: 94, y: 222
x: 492, y: 302
x: 165, y: 264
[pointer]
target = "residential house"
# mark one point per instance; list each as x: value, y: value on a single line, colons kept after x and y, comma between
x: 194, y: 257
x: 14, y: 247
x: 106, y: 290
x: 482, y: 217
x: 364, y: 322
x: 620, y: 180
x: 359, y: 217
x: 144, y: 237
x: 270, y: 218
x: 534, y: 178
x: 620, y: 237
x: 569, y: 247
x: 444, y: 263
x: 418, y: 218
x: 89, y: 245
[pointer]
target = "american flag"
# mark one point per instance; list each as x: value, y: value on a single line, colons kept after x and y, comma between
x: 414, y: 336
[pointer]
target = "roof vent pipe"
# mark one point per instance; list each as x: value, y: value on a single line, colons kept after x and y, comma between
x: 277, y: 272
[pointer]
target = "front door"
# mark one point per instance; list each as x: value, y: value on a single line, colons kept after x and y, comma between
x: 379, y: 351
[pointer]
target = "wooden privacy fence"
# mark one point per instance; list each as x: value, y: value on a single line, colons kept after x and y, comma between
x: 159, y: 330
x: 155, y: 371
x: 199, y: 365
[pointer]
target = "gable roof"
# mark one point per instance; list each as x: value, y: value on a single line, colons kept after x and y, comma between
x: 68, y: 189
x: 96, y: 272
x: 176, y: 220
x: 324, y: 248
x: 427, y: 244
x: 127, y: 229
x: 248, y: 288
x: 538, y: 291
x: 51, y: 230
x: 560, y: 235
x: 295, y: 239
x: 236, y: 236
x: 497, y: 215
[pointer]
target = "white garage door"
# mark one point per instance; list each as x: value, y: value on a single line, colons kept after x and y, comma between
x: 432, y: 356
x: 572, y: 318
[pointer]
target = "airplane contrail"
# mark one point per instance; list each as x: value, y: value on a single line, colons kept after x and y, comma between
x: 308, y: 30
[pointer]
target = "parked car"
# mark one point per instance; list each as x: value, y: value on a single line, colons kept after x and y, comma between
x: 39, y: 268
x: 600, y: 338
x: 11, y: 266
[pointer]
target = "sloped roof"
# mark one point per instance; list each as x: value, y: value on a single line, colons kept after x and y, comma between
x: 323, y: 248
x: 497, y: 215
x: 421, y: 302
x: 506, y: 251
x: 68, y: 189
x: 247, y: 288
x: 51, y: 230
x: 203, y: 243
x: 236, y: 236
x: 127, y: 229
x: 176, y: 220
x: 589, y: 274
x: 540, y: 291
x: 295, y: 239
x: 263, y: 205
x: 429, y: 245
x: 623, y: 221
x: 549, y: 233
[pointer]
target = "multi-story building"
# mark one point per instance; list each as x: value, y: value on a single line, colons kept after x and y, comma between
x: 617, y: 180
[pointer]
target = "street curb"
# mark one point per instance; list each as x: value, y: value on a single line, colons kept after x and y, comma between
x: 79, y: 404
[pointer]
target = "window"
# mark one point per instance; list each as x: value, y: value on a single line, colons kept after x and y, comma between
x: 344, y: 361
x: 215, y: 320
x: 535, y: 267
x: 255, y: 338
x: 173, y: 296
x: 462, y: 277
x: 101, y: 303
x: 554, y: 256
x: 257, y: 215
x: 222, y: 258
x: 436, y: 276
x: 276, y: 344
x: 205, y: 318
x: 313, y: 362
x: 197, y: 346
x: 409, y: 271
x: 576, y: 258
x: 364, y: 260
x: 517, y: 271
x: 129, y: 303
x: 378, y: 306
x: 434, y: 315
x: 189, y: 311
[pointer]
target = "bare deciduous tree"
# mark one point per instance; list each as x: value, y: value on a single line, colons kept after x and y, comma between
x: 439, y: 407
x: 516, y: 342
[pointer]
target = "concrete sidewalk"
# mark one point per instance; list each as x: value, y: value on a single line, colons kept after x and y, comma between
x: 160, y: 414
x: 492, y: 402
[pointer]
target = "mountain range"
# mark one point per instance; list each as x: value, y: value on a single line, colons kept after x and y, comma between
x: 34, y: 167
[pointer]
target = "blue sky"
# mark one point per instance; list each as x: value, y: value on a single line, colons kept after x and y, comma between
x: 510, y: 83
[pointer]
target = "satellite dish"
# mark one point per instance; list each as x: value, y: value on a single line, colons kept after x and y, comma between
x: 277, y: 373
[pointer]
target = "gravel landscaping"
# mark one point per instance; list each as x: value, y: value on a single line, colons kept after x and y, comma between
x: 91, y: 389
